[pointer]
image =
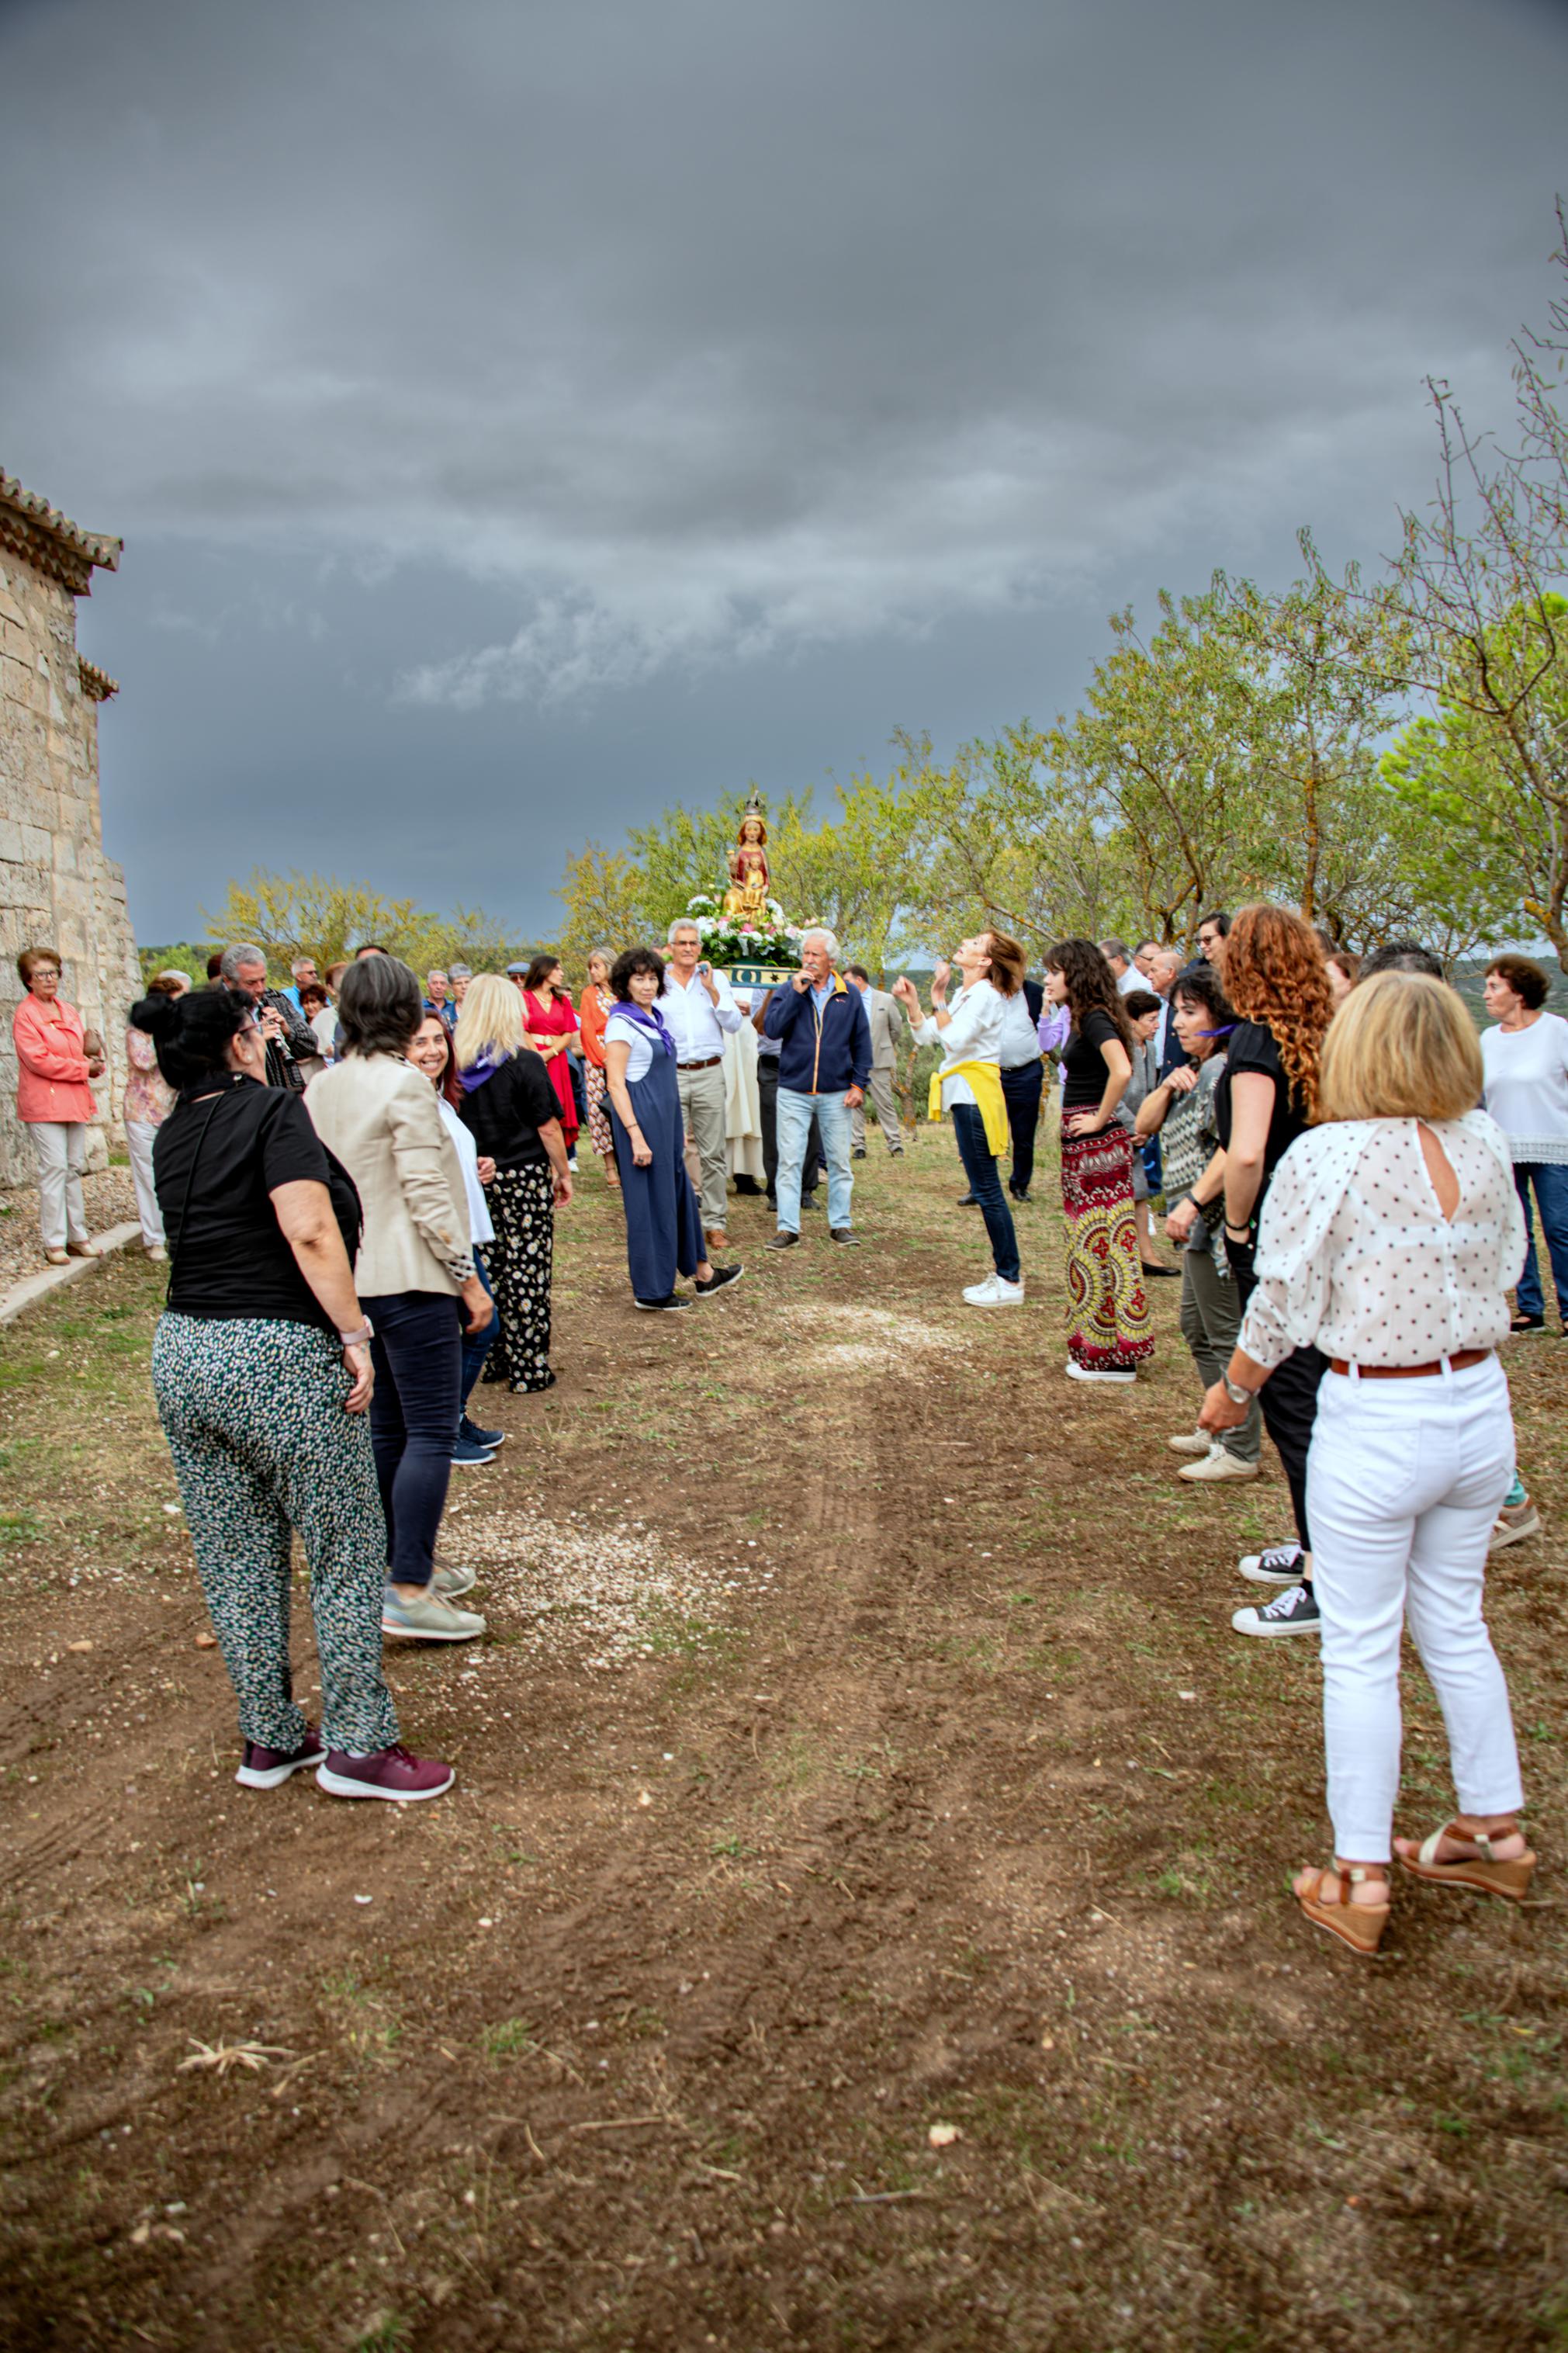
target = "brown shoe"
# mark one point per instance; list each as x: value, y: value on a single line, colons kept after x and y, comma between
x: 80, y: 1249
x: 718, y: 1238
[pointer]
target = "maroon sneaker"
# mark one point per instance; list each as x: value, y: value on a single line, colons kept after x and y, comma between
x: 264, y: 1769
x: 389, y: 1773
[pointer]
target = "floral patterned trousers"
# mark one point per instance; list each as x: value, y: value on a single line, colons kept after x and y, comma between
x: 253, y: 1411
x: 519, y: 1262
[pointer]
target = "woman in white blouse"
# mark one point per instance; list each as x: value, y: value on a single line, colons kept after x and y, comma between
x: 1526, y: 1061
x: 432, y: 1052
x: 970, y: 1032
x: 1389, y: 1239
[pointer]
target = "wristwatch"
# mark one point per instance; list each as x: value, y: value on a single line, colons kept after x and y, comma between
x: 360, y: 1339
x: 1234, y: 1392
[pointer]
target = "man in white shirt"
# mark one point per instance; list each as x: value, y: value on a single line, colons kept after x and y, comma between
x: 699, y: 1009
x: 886, y: 1028
x: 1119, y: 957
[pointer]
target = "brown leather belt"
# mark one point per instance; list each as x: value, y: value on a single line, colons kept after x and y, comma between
x: 710, y: 1064
x: 1412, y: 1372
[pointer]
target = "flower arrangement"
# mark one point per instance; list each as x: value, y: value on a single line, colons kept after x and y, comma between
x: 726, y: 943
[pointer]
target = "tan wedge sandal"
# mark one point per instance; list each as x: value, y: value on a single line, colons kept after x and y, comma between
x: 1359, y: 1925
x: 1483, y: 1873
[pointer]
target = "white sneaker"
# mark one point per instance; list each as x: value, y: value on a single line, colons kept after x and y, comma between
x: 994, y: 1292
x: 1218, y: 1464
x: 1190, y: 1441
x: 1076, y: 1372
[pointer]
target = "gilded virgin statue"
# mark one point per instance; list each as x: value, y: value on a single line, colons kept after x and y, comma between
x: 746, y: 899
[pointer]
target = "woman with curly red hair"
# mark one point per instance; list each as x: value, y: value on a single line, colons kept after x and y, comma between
x: 1276, y: 979
x: 1108, y: 1334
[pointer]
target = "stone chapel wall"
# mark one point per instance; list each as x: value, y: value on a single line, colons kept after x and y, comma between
x: 56, y: 887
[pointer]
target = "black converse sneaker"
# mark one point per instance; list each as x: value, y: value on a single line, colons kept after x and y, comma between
x: 1294, y: 1611
x: 1277, y: 1564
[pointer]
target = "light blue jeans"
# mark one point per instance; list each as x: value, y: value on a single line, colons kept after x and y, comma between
x: 793, y: 1127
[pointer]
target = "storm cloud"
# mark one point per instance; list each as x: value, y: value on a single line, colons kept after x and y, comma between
x: 519, y: 415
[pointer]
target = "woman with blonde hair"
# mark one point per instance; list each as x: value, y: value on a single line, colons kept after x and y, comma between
x: 506, y: 1100
x: 969, y: 1085
x: 1267, y: 1097
x: 599, y: 1002
x: 1391, y: 1238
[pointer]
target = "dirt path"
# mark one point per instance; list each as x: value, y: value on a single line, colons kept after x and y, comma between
x: 861, y: 1749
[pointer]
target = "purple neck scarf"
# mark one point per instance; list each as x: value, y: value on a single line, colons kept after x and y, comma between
x: 486, y: 1067
x: 648, y: 1018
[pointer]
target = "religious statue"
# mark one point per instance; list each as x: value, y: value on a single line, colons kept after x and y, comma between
x: 746, y: 899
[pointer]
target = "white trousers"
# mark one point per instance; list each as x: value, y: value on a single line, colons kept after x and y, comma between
x: 61, y: 1148
x: 1404, y: 1480
x: 139, y: 1135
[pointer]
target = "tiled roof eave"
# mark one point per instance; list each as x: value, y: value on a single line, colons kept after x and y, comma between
x: 95, y: 683
x: 49, y: 541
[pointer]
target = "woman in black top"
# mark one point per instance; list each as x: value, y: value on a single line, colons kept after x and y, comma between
x: 262, y: 1373
x: 505, y: 1097
x: 1108, y: 1333
x: 1265, y: 1098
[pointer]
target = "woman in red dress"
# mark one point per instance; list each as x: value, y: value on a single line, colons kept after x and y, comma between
x: 549, y: 1020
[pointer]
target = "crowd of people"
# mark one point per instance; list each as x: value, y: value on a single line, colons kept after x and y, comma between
x: 355, y: 1179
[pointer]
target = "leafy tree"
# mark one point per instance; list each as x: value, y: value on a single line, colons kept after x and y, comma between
x: 1318, y: 660
x: 856, y: 872
x: 603, y: 893
x: 1001, y: 835
x: 177, y: 955
x: 1478, y: 579
x: 1160, y: 755
x: 294, y: 915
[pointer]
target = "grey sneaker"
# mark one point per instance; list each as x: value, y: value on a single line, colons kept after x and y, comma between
x: 1294, y: 1611
x: 842, y: 1234
x: 428, y: 1620
x: 450, y: 1582
x: 1190, y: 1441
x: 1513, y: 1524
x: 1277, y: 1564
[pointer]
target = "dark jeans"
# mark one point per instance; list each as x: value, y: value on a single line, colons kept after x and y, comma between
x: 1551, y: 1183
x: 1021, y: 1091
x: 579, y: 1087
x: 476, y: 1348
x: 1289, y: 1397
x: 815, y: 1159
x: 980, y: 1167
x: 418, y: 1358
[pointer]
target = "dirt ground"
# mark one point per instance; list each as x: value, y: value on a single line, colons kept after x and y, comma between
x: 860, y: 1918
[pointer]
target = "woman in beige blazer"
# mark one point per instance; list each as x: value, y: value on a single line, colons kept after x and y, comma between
x: 416, y: 1279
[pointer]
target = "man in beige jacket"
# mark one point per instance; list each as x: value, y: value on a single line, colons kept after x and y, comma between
x: 887, y: 1027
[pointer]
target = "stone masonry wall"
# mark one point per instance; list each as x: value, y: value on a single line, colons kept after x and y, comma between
x: 57, y: 888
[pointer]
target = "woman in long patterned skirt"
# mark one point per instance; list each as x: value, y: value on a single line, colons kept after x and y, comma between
x: 1108, y: 1334
x: 506, y: 1100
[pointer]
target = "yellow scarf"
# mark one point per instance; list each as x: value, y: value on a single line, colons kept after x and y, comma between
x: 985, y: 1078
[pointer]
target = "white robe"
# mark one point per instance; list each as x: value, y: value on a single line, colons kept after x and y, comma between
x: 743, y: 1104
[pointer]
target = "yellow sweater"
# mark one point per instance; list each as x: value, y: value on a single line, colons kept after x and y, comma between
x: 985, y: 1078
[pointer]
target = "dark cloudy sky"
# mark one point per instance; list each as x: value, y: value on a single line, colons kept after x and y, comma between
x: 520, y: 416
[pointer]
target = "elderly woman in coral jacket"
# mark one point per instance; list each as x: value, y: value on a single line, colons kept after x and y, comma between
x: 55, y: 1100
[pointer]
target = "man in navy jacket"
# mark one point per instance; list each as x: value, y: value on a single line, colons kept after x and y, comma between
x: 824, y: 1060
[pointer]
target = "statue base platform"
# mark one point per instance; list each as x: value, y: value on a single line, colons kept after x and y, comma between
x: 757, y: 975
